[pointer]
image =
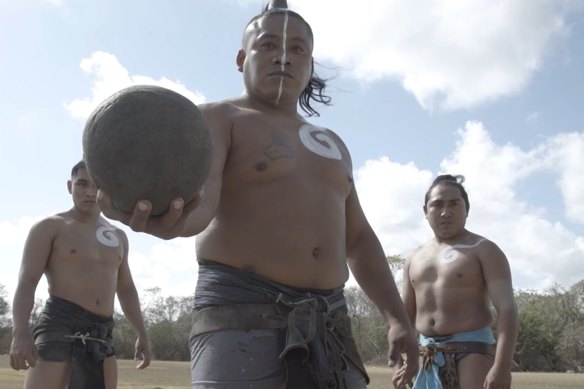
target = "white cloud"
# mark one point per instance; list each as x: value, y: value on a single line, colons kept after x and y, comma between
x: 168, y: 265
x: 541, y: 251
x: 566, y: 155
x: 56, y: 3
x: 389, y: 196
x: 110, y: 76
x: 448, y: 54
x: 532, y: 118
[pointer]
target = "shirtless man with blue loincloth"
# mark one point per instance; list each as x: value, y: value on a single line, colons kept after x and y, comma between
x: 278, y: 227
x: 85, y: 261
x: 449, y: 285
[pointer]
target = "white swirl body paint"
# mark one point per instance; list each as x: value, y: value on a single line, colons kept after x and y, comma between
x: 450, y: 253
x: 318, y: 141
x: 106, y: 235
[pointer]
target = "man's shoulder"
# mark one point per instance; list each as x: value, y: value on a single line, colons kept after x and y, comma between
x: 228, y: 106
x: 478, y: 241
x: 48, y: 226
x: 105, y: 223
x: 55, y: 220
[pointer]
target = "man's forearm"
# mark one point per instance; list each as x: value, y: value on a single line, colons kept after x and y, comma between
x: 130, y: 304
x: 507, y: 328
x: 21, y: 308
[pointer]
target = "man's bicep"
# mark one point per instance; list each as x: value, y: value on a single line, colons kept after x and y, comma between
x: 497, y: 275
x: 408, y: 294
x: 37, y: 250
x: 219, y: 123
x: 356, y: 222
x: 202, y: 215
x: 124, y: 272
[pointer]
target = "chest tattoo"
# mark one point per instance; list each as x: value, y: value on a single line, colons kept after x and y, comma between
x: 278, y: 149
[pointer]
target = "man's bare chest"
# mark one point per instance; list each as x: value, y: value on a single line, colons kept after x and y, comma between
x: 88, y: 245
x: 268, y: 153
x: 447, y: 266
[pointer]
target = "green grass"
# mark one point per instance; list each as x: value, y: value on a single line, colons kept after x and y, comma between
x: 176, y: 375
x: 381, y: 379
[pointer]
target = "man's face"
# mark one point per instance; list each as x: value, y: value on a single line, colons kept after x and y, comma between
x: 83, y: 191
x: 276, y: 59
x: 446, y: 211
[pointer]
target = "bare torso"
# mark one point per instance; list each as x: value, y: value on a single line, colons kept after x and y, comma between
x: 450, y: 290
x: 281, y: 212
x: 83, y: 263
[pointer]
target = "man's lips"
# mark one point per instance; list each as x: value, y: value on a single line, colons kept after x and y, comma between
x: 280, y: 73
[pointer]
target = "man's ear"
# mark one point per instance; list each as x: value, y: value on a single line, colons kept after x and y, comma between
x: 240, y: 59
x: 425, y: 210
x: 70, y: 186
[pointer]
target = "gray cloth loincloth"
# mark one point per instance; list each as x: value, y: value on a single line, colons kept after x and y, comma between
x: 309, y: 330
x: 65, y: 331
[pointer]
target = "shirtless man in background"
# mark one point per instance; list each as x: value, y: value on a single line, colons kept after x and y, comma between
x: 85, y: 261
x: 278, y: 228
x: 449, y: 285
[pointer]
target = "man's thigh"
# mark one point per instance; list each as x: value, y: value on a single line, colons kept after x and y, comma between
x: 472, y: 370
x: 48, y: 375
x: 237, y: 359
x: 245, y: 359
x: 110, y: 372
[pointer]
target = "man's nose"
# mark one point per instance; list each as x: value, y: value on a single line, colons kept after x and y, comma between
x: 91, y: 192
x: 282, y: 58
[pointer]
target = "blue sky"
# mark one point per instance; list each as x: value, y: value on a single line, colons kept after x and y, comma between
x: 490, y: 89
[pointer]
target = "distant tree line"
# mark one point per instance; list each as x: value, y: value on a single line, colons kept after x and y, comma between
x: 551, y: 326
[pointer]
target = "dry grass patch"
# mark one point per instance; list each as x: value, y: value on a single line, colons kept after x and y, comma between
x: 176, y: 375
x: 381, y: 379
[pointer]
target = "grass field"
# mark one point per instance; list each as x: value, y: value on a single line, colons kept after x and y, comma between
x: 175, y: 375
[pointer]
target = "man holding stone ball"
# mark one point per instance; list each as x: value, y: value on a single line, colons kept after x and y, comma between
x: 278, y: 226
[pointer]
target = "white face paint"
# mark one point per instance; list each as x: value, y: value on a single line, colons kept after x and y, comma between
x: 319, y: 142
x: 106, y: 235
x: 282, y: 57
